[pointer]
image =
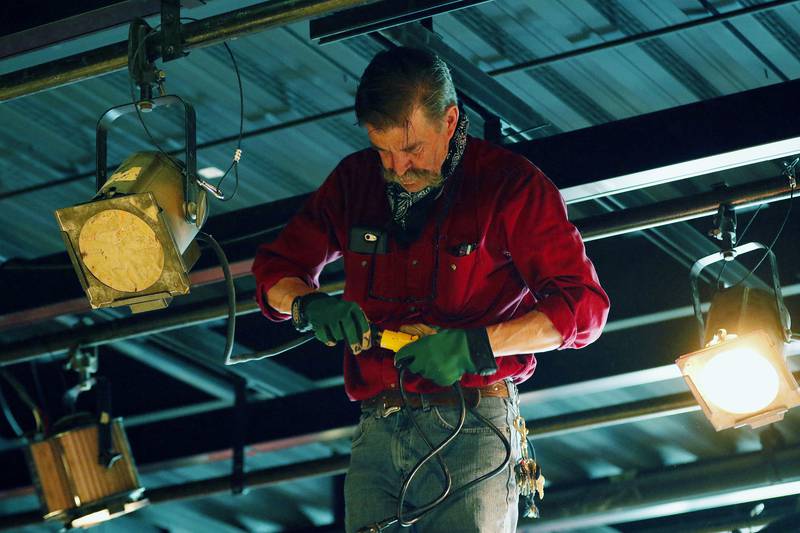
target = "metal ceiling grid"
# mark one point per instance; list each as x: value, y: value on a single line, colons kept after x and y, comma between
x: 613, y: 84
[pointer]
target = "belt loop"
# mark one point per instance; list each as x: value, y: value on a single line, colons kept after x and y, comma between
x: 423, y: 402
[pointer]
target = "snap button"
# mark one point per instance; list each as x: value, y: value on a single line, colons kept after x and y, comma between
x: 414, y: 262
x: 364, y: 263
x: 452, y: 266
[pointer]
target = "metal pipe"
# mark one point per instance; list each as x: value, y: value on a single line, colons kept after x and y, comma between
x: 672, y: 490
x: 593, y: 228
x: 642, y: 37
x: 683, y: 209
x: 128, y: 328
x: 613, y: 415
x: 208, y: 487
x: 259, y: 478
x: 692, y: 486
x: 198, y: 34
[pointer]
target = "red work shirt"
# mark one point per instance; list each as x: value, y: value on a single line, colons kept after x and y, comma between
x: 526, y: 256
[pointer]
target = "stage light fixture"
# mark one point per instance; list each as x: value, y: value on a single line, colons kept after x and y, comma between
x: 133, y: 243
x: 73, y: 487
x: 741, y: 381
x: 741, y: 377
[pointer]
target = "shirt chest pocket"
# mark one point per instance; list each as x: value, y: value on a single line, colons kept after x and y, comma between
x: 459, y: 278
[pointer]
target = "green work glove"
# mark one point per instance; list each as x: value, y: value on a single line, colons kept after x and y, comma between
x: 332, y: 320
x: 449, y: 354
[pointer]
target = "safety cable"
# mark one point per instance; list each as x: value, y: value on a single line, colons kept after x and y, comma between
x: 774, y: 240
x: 219, y: 194
x: 230, y: 289
x: 237, y: 154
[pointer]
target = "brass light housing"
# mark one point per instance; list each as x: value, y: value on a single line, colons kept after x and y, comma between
x: 74, y: 488
x: 132, y: 244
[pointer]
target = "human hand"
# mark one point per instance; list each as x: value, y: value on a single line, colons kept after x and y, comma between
x: 442, y: 357
x: 332, y: 320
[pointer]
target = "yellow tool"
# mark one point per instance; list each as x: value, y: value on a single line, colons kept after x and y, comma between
x: 393, y: 340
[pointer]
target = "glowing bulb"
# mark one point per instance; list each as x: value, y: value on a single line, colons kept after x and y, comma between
x: 740, y: 380
x: 92, y: 519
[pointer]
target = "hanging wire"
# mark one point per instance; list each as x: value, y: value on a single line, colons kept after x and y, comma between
x: 12, y: 421
x: 237, y: 155
x: 790, y: 173
x: 26, y: 399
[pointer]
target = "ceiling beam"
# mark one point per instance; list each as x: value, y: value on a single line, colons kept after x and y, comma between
x: 74, y: 24
x: 283, y: 423
x: 602, y: 226
x: 643, y: 37
x: 673, y: 490
x: 206, y: 32
x: 683, y: 142
x: 379, y: 16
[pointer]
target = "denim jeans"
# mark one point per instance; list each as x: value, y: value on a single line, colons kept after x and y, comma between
x: 385, y: 450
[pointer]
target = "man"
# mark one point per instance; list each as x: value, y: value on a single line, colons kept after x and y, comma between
x: 459, y: 241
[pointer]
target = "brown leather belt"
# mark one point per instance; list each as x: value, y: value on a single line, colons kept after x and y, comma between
x: 390, y: 401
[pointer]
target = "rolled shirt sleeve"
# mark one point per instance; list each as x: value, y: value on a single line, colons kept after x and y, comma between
x: 548, y: 252
x: 303, y: 248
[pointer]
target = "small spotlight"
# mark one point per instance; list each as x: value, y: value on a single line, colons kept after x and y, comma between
x: 741, y: 381
x: 74, y: 488
x: 740, y: 377
x: 133, y: 243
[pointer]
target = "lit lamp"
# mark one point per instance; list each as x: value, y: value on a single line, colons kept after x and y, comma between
x: 741, y: 377
x: 133, y: 243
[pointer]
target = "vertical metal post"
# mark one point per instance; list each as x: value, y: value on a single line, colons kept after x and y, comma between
x: 239, y: 438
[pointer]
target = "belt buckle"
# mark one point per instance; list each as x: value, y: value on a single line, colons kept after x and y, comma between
x: 388, y: 411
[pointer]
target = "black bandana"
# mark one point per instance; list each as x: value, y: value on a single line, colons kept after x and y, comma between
x: 410, y: 209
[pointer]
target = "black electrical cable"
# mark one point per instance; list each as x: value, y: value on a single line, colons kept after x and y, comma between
x: 434, y: 452
x: 37, y: 383
x: 231, y: 290
x: 26, y: 399
x: 420, y: 512
x: 12, y: 421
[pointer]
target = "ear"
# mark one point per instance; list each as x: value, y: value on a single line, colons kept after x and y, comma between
x: 451, y: 120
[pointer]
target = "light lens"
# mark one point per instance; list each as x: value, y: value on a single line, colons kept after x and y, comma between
x: 121, y: 250
x: 739, y: 380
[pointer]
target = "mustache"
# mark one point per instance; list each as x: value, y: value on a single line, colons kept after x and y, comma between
x: 431, y: 179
